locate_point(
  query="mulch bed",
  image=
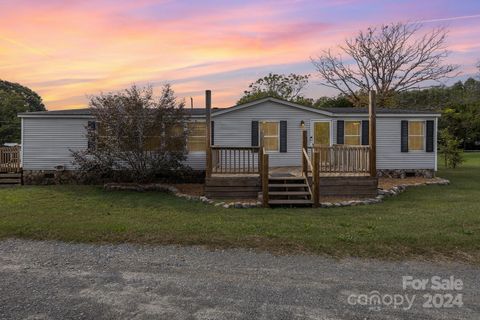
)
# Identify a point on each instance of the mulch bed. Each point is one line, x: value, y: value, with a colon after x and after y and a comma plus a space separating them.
x: 192, y: 189
x: 388, y: 183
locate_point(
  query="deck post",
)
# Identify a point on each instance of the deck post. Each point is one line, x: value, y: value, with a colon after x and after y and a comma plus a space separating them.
x: 264, y: 175
x: 260, y: 152
x: 304, y: 146
x: 208, y: 119
x: 316, y: 179
x: 372, y: 134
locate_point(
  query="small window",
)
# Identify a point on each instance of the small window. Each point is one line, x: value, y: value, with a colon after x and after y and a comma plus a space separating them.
x: 271, y: 134
x: 353, y: 133
x: 416, y: 135
x: 197, y: 137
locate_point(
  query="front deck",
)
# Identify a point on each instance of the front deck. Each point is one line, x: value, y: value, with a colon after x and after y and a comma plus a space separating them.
x: 334, y: 171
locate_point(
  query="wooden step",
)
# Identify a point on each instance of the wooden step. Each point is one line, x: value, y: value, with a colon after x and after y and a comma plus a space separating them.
x: 289, y: 193
x: 287, y: 178
x: 10, y: 175
x: 10, y: 181
x: 285, y: 201
x: 287, y: 185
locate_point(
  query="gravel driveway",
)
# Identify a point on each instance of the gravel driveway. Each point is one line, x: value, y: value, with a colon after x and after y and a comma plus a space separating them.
x: 54, y: 280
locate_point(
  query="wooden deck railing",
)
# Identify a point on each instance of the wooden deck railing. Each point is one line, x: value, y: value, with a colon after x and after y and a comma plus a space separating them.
x: 236, y: 160
x: 9, y: 159
x: 343, y: 159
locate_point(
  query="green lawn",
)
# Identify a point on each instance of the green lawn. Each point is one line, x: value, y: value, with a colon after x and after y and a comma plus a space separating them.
x: 434, y: 222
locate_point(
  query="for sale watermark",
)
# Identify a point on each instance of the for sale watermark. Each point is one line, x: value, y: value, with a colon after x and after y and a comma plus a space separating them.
x: 435, y: 292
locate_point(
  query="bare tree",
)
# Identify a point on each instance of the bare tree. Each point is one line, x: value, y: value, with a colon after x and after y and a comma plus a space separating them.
x: 135, y: 135
x: 389, y: 59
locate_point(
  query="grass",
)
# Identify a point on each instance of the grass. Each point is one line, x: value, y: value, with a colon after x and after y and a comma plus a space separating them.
x: 432, y: 222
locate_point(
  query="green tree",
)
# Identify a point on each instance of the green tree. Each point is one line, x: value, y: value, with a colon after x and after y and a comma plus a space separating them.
x: 463, y: 122
x: 449, y: 147
x: 333, y: 102
x: 286, y: 87
x: 439, y: 98
x: 15, y: 98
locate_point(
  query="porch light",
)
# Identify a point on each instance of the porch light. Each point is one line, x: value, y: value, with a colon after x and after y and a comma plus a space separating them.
x: 302, y: 124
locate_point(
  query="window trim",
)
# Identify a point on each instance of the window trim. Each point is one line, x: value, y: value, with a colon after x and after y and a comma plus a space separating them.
x: 424, y: 135
x: 349, y: 135
x: 277, y: 136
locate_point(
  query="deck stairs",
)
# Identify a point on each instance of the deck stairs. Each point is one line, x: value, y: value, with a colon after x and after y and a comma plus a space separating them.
x: 289, y: 191
x: 10, y: 179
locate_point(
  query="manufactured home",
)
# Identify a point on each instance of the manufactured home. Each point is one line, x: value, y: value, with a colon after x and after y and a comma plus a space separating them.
x: 406, y: 142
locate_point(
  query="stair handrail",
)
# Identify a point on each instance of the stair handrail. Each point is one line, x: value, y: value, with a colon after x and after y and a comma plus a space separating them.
x: 309, y: 167
x: 264, y: 177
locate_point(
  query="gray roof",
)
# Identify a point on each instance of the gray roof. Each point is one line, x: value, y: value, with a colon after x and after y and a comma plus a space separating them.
x: 379, y: 110
x: 201, y: 111
x: 87, y: 112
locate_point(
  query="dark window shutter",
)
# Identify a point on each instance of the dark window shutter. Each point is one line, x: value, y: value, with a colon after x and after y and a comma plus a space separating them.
x: 340, y: 132
x: 365, y: 132
x: 91, y: 127
x: 283, y: 136
x: 254, y: 133
x: 404, y: 136
x: 212, y: 133
x: 430, y: 135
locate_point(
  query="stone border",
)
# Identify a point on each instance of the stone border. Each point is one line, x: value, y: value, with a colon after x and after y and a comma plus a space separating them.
x: 382, y: 193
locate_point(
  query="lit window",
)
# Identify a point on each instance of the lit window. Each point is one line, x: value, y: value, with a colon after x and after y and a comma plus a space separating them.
x: 197, y: 137
x: 353, y: 133
x: 270, y: 132
x: 416, y: 135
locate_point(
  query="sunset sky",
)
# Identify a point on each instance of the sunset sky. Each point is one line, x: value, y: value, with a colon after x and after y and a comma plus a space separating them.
x: 66, y: 50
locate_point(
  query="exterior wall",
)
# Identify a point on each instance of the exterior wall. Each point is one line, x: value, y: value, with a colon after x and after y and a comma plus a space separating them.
x: 389, y: 155
x: 48, y: 141
x: 234, y: 128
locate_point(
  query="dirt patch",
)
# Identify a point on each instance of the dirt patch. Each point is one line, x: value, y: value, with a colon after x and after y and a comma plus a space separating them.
x: 340, y: 199
x: 193, y: 189
x: 388, y: 183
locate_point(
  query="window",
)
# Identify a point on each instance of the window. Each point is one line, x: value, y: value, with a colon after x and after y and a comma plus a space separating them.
x: 416, y: 135
x: 353, y: 133
x: 197, y: 137
x: 270, y: 132
x: 152, y: 138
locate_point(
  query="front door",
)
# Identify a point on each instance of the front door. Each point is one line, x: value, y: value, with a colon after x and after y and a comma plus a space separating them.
x: 321, y: 133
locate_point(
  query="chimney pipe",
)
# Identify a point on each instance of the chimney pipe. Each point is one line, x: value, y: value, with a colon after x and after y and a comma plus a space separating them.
x: 208, y: 120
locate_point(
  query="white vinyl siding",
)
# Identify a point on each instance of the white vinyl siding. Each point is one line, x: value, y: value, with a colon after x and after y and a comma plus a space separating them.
x: 389, y: 155
x: 48, y: 142
x: 235, y: 128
